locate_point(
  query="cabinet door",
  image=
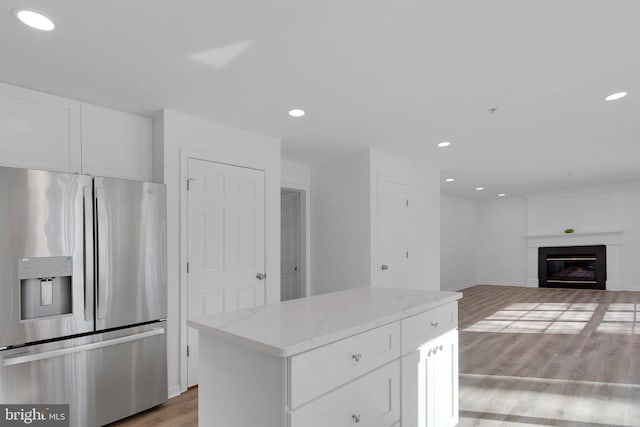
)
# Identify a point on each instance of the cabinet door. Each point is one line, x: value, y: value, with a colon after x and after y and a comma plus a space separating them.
x: 39, y: 131
x: 430, y: 383
x: 115, y: 144
x: 445, y: 380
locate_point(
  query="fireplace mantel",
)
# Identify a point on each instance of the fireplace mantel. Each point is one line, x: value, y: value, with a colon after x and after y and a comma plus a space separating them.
x: 608, y: 238
x: 612, y: 239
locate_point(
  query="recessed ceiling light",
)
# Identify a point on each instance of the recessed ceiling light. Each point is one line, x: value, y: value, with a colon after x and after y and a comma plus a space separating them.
x: 479, y: 188
x: 34, y: 19
x: 615, y: 96
x: 296, y: 113
x: 444, y: 144
x: 449, y: 180
x: 501, y: 195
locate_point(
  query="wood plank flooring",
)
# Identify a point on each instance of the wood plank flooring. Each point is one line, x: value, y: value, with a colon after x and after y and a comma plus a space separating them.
x: 181, y: 411
x: 528, y: 357
x: 560, y: 357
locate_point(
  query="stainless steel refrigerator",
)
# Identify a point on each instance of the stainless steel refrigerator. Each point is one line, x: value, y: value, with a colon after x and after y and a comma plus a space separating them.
x: 83, y: 293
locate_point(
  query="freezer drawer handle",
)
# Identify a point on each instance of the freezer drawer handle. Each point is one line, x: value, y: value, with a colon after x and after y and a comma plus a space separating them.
x: 86, y: 347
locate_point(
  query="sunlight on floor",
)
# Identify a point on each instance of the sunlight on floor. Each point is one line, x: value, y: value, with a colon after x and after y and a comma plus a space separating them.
x: 569, y: 362
x: 619, y: 328
x: 560, y: 318
x: 538, y: 401
x: 536, y: 318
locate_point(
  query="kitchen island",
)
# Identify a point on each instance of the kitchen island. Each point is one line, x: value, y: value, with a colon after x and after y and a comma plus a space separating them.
x: 367, y: 356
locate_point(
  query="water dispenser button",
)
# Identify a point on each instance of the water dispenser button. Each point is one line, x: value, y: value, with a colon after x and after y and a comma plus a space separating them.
x: 46, y: 292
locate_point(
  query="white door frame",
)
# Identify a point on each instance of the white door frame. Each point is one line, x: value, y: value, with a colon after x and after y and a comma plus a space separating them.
x: 185, y: 155
x: 305, y: 230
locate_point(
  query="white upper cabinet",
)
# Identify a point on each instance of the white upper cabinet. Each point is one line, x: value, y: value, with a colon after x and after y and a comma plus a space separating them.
x: 115, y: 144
x: 42, y: 131
x: 39, y: 131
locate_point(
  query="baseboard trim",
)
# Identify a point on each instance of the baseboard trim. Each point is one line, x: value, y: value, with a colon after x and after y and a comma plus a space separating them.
x: 458, y: 288
x: 485, y: 283
x: 505, y: 284
x: 174, y: 391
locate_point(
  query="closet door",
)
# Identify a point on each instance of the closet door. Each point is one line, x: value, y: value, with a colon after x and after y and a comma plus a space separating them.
x: 392, y: 230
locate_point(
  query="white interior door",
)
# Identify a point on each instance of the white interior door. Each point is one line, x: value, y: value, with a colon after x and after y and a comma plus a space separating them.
x: 393, y: 254
x: 290, y: 286
x: 226, y: 241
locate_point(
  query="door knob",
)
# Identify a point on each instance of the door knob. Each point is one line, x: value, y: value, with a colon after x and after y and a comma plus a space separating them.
x: 261, y: 276
x: 384, y: 267
x: 356, y: 418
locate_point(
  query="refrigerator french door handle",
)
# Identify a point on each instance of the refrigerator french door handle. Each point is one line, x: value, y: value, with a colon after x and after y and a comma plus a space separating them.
x: 87, y: 231
x: 18, y: 360
x: 101, y: 283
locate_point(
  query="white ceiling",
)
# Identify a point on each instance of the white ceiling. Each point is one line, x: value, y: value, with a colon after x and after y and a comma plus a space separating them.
x: 397, y: 74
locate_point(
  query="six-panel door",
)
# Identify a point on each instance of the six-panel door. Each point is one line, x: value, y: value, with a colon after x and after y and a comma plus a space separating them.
x: 226, y: 243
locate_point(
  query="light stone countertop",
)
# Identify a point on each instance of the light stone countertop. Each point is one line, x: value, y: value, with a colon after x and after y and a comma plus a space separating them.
x: 291, y: 327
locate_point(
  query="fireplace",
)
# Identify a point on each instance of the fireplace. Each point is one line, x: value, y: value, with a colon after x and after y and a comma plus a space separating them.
x: 580, y: 267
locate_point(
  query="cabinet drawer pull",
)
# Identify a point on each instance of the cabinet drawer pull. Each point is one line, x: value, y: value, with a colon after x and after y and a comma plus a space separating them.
x: 357, y: 357
x: 356, y: 418
x: 434, y: 324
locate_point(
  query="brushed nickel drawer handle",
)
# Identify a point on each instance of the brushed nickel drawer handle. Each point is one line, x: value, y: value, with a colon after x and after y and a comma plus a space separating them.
x: 357, y: 357
x: 356, y: 418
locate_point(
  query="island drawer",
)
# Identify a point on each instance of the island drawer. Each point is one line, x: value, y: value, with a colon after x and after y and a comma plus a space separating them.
x: 423, y: 327
x: 372, y: 400
x: 325, y: 368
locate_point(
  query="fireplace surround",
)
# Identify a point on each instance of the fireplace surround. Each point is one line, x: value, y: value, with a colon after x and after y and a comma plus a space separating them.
x: 578, y: 267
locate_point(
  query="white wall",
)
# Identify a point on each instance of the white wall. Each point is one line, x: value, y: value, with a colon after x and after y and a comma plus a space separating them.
x: 501, y: 242
x: 183, y: 133
x: 594, y: 211
x: 340, y: 223
x: 295, y: 175
x: 586, y: 211
x: 502, y: 227
x: 424, y: 217
x: 458, y: 243
x: 344, y: 221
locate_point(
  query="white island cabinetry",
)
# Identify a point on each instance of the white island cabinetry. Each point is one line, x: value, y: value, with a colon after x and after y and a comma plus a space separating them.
x: 368, y: 356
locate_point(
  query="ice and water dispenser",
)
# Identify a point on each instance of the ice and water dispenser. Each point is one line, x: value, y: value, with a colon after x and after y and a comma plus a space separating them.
x: 45, y: 287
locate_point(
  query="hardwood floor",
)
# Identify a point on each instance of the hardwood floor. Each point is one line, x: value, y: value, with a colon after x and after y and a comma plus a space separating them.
x: 181, y: 411
x: 561, y: 357
x: 528, y: 357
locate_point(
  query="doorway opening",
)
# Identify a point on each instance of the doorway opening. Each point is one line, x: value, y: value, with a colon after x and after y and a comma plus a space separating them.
x: 293, y: 244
